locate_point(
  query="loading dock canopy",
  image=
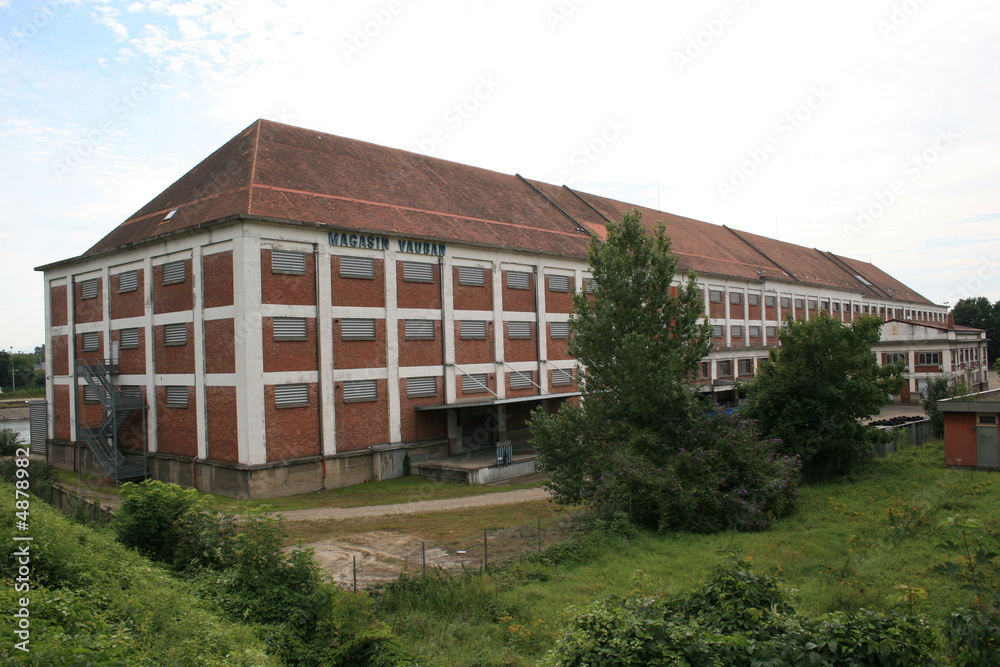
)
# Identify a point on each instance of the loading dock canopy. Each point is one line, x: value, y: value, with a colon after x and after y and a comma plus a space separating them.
x: 496, y: 401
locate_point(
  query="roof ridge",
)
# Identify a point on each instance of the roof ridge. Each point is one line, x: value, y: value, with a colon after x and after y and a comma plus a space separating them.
x: 762, y: 253
x: 253, y: 165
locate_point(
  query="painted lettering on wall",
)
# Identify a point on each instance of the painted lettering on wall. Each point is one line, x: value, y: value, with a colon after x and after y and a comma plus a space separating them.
x: 382, y: 243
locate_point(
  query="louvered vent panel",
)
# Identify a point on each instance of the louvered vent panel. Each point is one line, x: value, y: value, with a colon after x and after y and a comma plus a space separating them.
x: 291, y: 395
x: 421, y: 386
x: 357, y: 267
x: 129, y: 339
x: 288, y: 261
x: 472, y: 328
x: 290, y: 328
x: 559, y: 329
x: 561, y: 377
x: 360, y: 390
x: 177, y: 397
x: 175, y: 334
x: 128, y: 281
x: 471, y: 275
x: 418, y: 272
x: 519, y: 330
x: 357, y: 329
x: 91, y: 340
x: 559, y: 283
x: 474, y: 383
x: 88, y: 289
x: 518, y: 280
x: 522, y: 379
x: 173, y: 272
x: 419, y: 329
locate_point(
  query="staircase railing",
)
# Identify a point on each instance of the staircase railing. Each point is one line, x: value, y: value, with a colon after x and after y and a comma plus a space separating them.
x: 119, y: 405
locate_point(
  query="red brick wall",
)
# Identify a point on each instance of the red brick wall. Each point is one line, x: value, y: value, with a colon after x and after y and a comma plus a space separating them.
x: 292, y: 432
x: 220, y: 346
x: 559, y: 302
x: 469, y: 297
x: 131, y: 362
x: 217, y: 279
x: 771, y: 312
x: 360, y: 425
x: 176, y: 428
x: 557, y: 348
x: 89, y: 413
x: 174, y: 358
x: 960, y: 439
x: 518, y: 414
x: 288, y: 288
x: 522, y: 300
x: 58, y: 306
x: 359, y: 353
x: 735, y: 309
x: 60, y: 355
x: 716, y: 309
x: 514, y: 393
x: 289, y: 355
x: 89, y: 310
x: 474, y: 350
x: 521, y: 349
x: 418, y: 295
x: 420, y: 352
x: 92, y: 354
x: 491, y: 382
x: 357, y: 292
x: 222, y: 429
x: 753, y: 312
x: 175, y: 297
x: 60, y: 409
x: 128, y: 304
x: 430, y: 425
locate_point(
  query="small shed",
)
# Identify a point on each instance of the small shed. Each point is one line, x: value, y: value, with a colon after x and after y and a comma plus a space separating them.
x: 970, y: 429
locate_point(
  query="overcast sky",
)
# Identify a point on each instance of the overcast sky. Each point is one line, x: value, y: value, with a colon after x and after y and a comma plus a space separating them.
x: 870, y: 128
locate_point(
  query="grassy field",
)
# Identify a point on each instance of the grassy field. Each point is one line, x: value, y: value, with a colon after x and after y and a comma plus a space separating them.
x: 851, y: 545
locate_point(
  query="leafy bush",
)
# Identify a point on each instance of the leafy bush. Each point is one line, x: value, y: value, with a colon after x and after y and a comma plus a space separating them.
x: 10, y: 440
x: 146, y: 519
x: 38, y: 475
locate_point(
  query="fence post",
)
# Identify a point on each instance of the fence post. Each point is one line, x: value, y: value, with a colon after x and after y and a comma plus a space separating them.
x: 423, y: 556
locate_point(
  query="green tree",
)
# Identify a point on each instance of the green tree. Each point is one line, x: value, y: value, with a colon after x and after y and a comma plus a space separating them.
x: 979, y: 313
x: 937, y: 389
x: 814, y: 388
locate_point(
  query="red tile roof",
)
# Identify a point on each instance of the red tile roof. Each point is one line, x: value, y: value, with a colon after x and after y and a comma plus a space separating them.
x: 288, y: 174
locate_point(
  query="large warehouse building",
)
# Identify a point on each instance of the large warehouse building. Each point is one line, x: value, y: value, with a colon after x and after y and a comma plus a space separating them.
x: 303, y: 311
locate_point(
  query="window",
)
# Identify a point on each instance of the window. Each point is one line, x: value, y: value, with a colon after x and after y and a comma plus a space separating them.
x: 173, y: 273
x: 357, y: 267
x: 786, y: 302
x: 473, y: 276
x: 705, y: 369
x: 90, y: 394
x: 421, y: 386
x: 591, y: 284
x: 894, y: 358
x: 735, y: 298
x: 559, y: 329
x: 753, y: 299
x: 562, y: 377
x: 928, y: 358
x: 718, y: 331
x: 175, y: 334
x: 715, y: 296
x: 357, y: 329
x: 812, y: 304
x: 475, y: 383
x: 736, y: 331
x: 772, y: 332
x: 472, y: 329
x: 518, y: 280
x: 558, y: 283
x: 418, y: 272
x: 291, y: 395
x: 746, y: 366
x: 128, y: 281
x: 800, y: 304
x: 290, y: 328
x: 518, y: 330
x: 755, y: 332
x: 769, y: 301
x: 287, y: 261
x: 522, y: 379
x: 826, y: 305
x: 177, y: 397
x: 91, y: 341
x: 987, y: 420
x: 359, y: 391
x: 857, y: 308
x: 128, y: 339
x: 725, y: 368
x: 88, y: 288
x: 419, y: 329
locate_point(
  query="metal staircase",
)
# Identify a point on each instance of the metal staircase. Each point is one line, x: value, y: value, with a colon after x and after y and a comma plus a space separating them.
x: 119, y: 405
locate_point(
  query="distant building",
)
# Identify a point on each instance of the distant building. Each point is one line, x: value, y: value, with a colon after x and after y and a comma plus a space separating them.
x: 970, y: 430
x: 302, y: 310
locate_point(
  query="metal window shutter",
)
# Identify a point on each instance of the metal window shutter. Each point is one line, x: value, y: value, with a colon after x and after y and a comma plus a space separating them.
x: 90, y: 394
x: 472, y: 275
x: 357, y: 267
x: 91, y: 340
x: 755, y: 332
x: 420, y: 329
x: 128, y: 281
x: 518, y: 280
x: 522, y: 379
x: 291, y: 395
x: 290, y: 328
x: 473, y: 328
x: 559, y: 329
x: 421, y: 386
x: 360, y: 390
x: 175, y: 334
x: 177, y: 397
x: 418, y: 272
x: 88, y: 289
x: 173, y: 272
x: 558, y: 283
x: 718, y: 331
x: 591, y: 285
x: 288, y: 261
x: 38, y: 425
x: 561, y: 377
x: 519, y: 330
x: 357, y: 329
x: 475, y: 383
x: 129, y: 339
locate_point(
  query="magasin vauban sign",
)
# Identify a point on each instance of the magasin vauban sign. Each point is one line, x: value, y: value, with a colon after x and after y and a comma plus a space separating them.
x: 348, y: 240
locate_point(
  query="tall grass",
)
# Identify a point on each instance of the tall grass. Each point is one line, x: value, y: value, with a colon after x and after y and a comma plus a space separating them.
x: 852, y: 544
